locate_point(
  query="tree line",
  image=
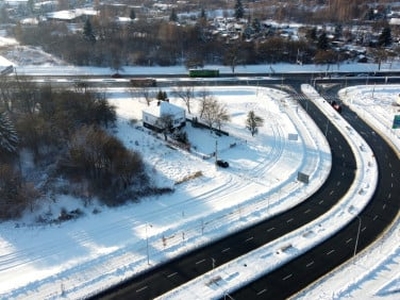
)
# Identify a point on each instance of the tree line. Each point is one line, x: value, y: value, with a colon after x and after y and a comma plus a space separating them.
x: 113, y: 44
x: 104, y: 41
x: 65, y: 134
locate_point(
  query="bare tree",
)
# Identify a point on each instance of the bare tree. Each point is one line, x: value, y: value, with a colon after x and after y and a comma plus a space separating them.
x: 27, y: 95
x: 15, y: 194
x: 116, y: 56
x: 166, y: 124
x: 253, y: 122
x: 142, y: 91
x: 6, y: 93
x: 186, y: 94
x: 231, y: 56
x: 380, y: 55
x: 18, y: 94
x: 222, y: 115
x: 80, y: 86
x: 208, y: 111
x: 204, y: 94
x: 213, y: 113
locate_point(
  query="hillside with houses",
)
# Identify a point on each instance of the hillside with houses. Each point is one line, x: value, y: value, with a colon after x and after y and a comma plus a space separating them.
x: 150, y: 33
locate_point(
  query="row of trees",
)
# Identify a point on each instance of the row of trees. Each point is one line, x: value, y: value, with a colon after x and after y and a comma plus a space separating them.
x: 66, y: 134
x: 112, y: 44
x: 145, y: 40
x: 157, y: 43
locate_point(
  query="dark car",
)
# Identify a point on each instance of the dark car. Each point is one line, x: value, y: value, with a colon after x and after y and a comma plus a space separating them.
x: 222, y: 163
x: 336, y: 106
x: 116, y: 75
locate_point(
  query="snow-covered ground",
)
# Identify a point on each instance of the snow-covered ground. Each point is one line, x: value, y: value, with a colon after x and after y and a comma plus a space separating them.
x: 78, y: 258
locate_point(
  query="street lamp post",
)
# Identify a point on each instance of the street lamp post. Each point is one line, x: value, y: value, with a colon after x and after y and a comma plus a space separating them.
x: 358, y: 235
x: 216, y: 150
x: 326, y: 127
x: 147, y: 244
x: 227, y: 296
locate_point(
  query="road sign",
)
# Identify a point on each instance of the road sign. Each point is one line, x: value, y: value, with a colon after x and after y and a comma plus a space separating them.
x: 302, y: 177
x: 396, y: 122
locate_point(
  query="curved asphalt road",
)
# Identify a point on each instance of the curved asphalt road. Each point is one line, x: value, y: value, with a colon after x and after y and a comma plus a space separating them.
x: 378, y: 214
x: 178, y: 271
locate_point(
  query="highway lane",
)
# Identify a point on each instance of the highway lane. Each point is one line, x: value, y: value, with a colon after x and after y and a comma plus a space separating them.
x: 178, y: 271
x: 62, y: 79
x: 357, y: 235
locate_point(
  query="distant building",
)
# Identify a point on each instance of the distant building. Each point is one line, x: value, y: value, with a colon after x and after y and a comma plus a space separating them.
x: 73, y: 15
x: 152, y: 115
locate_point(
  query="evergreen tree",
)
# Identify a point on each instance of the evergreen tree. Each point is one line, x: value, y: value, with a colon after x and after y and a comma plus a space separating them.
x: 370, y: 15
x: 323, y: 41
x: 203, y: 14
x: 338, y: 31
x: 162, y: 95
x: 239, y: 10
x: 385, y: 38
x: 256, y: 25
x: 173, y: 16
x: 8, y: 135
x: 312, y: 34
x: 30, y: 5
x: 104, y: 113
x: 132, y: 14
x: 88, y: 32
x: 4, y: 17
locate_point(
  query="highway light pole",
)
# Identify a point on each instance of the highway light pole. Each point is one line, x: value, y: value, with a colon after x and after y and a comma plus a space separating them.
x: 147, y: 244
x: 358, y: 235
x: 227, y: 296
x: 326, y: 128
x: 216, y: 150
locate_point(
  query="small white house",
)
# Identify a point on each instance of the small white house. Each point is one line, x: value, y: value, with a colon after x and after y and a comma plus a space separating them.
x: 152, y: 115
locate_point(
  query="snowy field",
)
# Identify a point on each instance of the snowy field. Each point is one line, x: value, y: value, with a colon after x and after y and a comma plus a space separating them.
x: 78, y: 258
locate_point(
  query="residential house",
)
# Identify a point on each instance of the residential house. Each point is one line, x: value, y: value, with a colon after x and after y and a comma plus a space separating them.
x: 153, y: 115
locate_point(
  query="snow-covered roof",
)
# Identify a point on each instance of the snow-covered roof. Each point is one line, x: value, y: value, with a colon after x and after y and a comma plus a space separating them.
x: 71, y: 14
x: 394, y: 21
x: 31, y: 21
x: 164, y: 108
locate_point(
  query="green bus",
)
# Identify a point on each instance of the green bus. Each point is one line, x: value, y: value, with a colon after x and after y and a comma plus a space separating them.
x: 203, y: 73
